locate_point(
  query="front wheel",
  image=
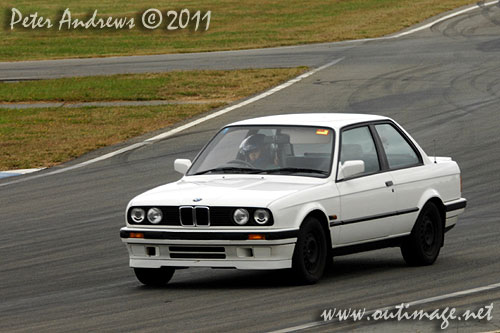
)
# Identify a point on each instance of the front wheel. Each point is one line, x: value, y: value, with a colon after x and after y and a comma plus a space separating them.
x: 155, y: 277
x: 424, y: 243
x: 310, y: 254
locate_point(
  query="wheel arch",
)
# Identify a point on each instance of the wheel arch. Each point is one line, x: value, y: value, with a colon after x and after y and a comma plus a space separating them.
x: 442, y: 212
x: 433, y: 196
x: 322, y: 217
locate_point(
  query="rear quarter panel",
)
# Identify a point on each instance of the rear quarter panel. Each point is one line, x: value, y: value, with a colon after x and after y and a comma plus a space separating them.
x: 416, y: 186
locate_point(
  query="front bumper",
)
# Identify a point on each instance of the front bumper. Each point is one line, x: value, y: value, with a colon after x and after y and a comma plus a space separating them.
x: 218, y: 249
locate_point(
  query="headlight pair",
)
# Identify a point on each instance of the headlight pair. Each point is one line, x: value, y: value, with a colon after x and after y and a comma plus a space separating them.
x: 241, y: 216
x: 154, y: 215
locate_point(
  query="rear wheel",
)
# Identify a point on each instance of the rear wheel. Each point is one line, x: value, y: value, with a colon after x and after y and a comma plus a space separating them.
x: 155, y: 277
x: 310, y: 254
x: 424, y: 243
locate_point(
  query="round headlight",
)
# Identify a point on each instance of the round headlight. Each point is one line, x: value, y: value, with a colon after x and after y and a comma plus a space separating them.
x: 137, y: 215
x: 261, y: 216
x: 155, y: 215
x: 241, y: 216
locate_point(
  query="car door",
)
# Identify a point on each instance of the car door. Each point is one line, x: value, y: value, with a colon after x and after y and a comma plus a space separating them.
x: 408, y: 174
x: 367, y: 199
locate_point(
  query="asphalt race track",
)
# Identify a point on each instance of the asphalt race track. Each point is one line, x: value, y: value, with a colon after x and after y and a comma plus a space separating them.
x: 63, y: 266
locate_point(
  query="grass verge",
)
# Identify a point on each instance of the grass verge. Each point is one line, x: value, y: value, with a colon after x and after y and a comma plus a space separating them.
x: 260, y: 23
x: 31, y: 138
x: 221, y: 85
x: 35, y: 138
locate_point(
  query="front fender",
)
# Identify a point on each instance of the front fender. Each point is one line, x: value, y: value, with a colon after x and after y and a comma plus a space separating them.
x: 308, y: 209
x: 293, y: 216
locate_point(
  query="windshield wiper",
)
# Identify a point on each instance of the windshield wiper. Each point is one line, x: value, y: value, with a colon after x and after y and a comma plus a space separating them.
x: 293, y: 170
x: 255, y: 171
x: 228, y: 169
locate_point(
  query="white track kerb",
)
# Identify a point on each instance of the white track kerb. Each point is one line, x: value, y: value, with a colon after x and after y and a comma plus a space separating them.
x: 245, y: 102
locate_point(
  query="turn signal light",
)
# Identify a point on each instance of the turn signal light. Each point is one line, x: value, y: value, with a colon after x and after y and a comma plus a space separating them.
x: 136, y: 235
x: 256, y: 237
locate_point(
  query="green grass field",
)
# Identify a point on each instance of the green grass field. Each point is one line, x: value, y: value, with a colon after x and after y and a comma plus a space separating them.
x: 234, y: 25
x: 32, y: 138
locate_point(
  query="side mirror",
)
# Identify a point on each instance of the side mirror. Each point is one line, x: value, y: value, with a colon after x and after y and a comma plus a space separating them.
x: 182, y: 165
x: 351, y: 168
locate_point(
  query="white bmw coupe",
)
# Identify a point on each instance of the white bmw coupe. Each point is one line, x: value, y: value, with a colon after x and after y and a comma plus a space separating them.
x: 291, y: 192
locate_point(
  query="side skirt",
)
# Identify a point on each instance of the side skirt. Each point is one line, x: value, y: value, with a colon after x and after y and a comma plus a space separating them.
x: 380, y: 244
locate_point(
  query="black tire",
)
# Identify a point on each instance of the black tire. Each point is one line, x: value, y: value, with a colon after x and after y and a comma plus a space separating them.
x: 310, y: 253
x: 155, y: 277
x: 424, y: 243
x: 329, y: 265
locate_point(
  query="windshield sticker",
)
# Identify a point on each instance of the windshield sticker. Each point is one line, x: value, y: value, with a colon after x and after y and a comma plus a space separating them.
x: 322, y: 132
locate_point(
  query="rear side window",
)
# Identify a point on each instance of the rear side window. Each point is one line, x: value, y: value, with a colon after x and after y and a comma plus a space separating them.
x: 358, y: 144
x: 399, y: 152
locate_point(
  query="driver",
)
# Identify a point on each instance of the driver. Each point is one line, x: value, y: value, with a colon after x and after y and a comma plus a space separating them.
x: 252, y: 149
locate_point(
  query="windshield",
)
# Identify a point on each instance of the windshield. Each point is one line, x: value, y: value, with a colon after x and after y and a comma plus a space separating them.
x: 280, y: 150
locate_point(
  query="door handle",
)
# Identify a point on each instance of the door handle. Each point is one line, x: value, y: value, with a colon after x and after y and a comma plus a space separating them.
x: 389, y: 183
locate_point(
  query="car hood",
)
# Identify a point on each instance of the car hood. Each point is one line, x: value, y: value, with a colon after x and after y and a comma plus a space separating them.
x: 250, y: 191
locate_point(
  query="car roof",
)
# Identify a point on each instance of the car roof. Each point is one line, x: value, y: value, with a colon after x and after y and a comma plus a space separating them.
x: 333, y: 120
